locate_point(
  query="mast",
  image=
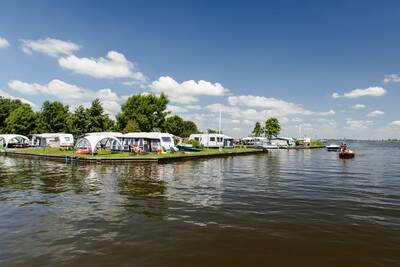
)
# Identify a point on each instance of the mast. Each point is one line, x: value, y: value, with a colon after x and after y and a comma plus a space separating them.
x: 219, y: 125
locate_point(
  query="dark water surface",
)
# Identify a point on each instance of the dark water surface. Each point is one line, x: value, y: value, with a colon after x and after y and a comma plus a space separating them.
x: 287, y: 208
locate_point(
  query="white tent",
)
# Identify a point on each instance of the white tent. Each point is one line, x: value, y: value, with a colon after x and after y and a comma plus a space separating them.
x: 6, y: 139
x: 92, y: 141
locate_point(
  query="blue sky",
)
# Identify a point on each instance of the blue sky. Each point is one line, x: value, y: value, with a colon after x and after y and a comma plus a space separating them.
x: 249, y: 59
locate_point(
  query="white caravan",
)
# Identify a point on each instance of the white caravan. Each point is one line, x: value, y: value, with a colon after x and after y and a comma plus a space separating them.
x: 213, y: 140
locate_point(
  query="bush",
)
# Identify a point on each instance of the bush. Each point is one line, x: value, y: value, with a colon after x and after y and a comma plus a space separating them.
x: 315, y: 143
x: 196, y: 143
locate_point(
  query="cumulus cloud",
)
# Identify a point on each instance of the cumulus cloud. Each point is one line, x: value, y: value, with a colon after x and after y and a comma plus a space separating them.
x: 358, y: 106
x: 176, y: 109
x: 69, y: 93
x: 275, y: 107
x: 326, y: 123
x: 4, y: 43
x: 395, y: 124
x: 395, y: 78
x: 370, y: 91
x: 187, y: 91
x: 113, y: 66
x: 358, y: 124
x: 7, y: 95
x: 375, y: 113
x: 49, y: 46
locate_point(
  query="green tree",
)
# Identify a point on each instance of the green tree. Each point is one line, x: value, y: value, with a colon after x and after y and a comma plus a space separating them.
x: 149, y: 111
x: 131, y: 127
x: 21, y: 121
x: 179, y: 127
x: 258, y: 130
x: 212, y: 131
x: 80, y: 121
x: 272, y: 128
x: 99, y: 121
x: 54, y: 117
x: 189, y: 127
x: 174, y: 125
x: 6, y: 107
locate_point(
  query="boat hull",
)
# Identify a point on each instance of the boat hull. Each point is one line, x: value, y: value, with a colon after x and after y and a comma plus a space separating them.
x: 333, y: 148
x: 346, y: 155
x: 188, y: 148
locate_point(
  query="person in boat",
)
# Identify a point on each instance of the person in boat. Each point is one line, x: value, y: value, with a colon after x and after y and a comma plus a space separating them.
x: 344, y: 148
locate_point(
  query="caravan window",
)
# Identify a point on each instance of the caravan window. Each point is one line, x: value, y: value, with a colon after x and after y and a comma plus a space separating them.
x: 219, y: 139
x: 166, y: 139
x: 66, y: 139
x: 212, y: 139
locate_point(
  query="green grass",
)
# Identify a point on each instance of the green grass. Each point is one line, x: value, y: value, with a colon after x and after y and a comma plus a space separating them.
x: 315, y: 143
x: 71, y: 153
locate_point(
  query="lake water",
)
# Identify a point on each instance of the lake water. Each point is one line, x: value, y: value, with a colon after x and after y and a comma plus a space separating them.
x: 285, y: 208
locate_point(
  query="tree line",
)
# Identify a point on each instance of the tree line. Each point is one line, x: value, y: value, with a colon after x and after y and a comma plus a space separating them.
x: 271, y: 128
x: 140, y: 113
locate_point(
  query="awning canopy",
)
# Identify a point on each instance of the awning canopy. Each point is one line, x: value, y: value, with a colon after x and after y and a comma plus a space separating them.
x: 7, y: 138
x: 92, y: 141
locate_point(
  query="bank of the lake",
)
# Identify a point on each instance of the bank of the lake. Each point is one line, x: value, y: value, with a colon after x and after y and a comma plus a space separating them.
x: 69, y: 155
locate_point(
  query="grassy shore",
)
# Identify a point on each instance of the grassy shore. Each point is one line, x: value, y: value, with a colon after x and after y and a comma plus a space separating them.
x: 57, y: 152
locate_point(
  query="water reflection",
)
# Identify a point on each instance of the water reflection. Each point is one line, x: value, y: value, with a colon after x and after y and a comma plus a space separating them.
x: 198, y: 183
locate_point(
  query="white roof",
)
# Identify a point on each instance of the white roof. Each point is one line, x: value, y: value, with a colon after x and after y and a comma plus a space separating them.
x: 211, y: 135
x: 8, y: 137
x: 50, y: 135
x: 93, y: 140
x: 283, y: 138
x: 150, y: 135
x: 116, y: 134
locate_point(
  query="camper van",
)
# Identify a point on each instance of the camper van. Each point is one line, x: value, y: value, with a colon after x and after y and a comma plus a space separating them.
x: 213, y: 140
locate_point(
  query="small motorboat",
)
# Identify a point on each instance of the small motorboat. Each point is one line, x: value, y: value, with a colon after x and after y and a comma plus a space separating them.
x: 265, y: 145
x: 348, y: 154
x: 187, y: 147
x: 345, y: 152
x: 333, y: 147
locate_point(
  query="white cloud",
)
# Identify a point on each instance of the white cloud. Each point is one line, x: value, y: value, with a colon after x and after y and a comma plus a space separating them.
x: 7, y: 95
x: 296, y: 119
x: 358, y: 106
x: 4, y: 43
x: 395, y: 78
x: 375, y: 113
x: 49, y: 46
x: 323, y: 123
x: 358, y: 124
x: 395, y: 124
x: 176, y: 109
x: 113, y: 66
x: 275, y: 107
x: 27, y: 88
x: 136, y: 83
x: 69, y: 93
x: 196, y: 107
x: 370, y: 91
x: 187, y: 91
